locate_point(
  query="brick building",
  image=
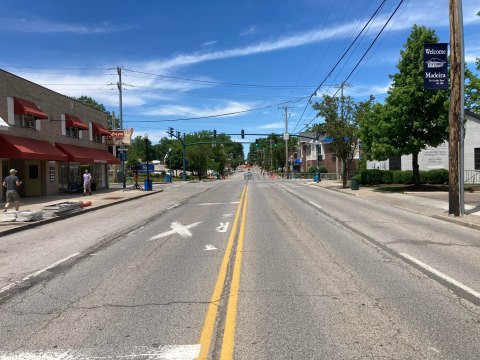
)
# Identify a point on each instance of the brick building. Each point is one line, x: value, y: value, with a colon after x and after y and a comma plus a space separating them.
x: 49, y: 138
x: 310, y: 149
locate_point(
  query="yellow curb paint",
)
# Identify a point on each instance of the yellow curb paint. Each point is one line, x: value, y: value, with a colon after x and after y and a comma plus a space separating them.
x: 231, y: 318
x: 209, y: 324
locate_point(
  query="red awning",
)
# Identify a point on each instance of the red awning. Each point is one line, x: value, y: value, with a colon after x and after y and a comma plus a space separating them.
x: 73, y: 121
x: 25, y: 107
x: 16, y: 147
x: 99, y: 129
x: 87, y: 155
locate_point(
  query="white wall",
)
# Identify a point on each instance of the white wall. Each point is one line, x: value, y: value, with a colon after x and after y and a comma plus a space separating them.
x: 437, y: 158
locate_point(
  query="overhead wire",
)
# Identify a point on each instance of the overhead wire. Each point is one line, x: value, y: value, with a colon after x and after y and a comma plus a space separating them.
x: 338, y: 62
x: 365, y: 53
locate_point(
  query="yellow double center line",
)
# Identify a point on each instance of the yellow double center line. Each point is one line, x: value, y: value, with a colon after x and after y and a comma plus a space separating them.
x: 230, y: 320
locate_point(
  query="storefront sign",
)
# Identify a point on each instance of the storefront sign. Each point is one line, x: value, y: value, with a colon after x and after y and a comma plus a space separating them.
x: 120, y: 137
x: 435, y: 66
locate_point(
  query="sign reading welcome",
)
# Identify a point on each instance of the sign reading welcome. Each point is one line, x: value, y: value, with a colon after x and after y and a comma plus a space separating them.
x: 435, y: 66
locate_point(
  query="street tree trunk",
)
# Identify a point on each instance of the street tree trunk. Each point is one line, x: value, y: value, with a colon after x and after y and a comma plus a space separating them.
x: 416, y: 170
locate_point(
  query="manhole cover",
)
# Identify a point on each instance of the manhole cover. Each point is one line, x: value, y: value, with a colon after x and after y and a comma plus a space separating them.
x: 113, y: 198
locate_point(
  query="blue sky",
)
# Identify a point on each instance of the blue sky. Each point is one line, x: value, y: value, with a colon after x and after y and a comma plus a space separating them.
x: 185, y: 59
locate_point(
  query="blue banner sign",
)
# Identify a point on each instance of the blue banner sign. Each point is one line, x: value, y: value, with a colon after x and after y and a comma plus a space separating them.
x: 435, y: 66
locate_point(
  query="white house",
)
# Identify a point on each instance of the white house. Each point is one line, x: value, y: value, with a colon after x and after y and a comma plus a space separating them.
x: 437, y: 158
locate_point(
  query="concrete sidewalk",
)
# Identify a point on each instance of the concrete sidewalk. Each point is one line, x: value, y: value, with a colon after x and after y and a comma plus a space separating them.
x: 99, y: 199
x: 433, y: 204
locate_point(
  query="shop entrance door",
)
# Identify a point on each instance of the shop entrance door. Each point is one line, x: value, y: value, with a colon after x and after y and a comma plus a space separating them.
x: 33, y: 180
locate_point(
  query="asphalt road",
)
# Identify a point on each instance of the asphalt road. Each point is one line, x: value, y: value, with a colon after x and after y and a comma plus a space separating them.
x: 263, y: 270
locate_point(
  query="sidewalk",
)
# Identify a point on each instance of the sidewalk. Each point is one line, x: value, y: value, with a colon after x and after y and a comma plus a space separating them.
x: 433, y: 204
x: 100, y: 198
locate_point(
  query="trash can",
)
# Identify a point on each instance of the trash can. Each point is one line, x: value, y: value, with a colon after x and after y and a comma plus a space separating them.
x: 315, y: 178
x: 355, y: 184
x: 167, y: 179
x: 147, y: 184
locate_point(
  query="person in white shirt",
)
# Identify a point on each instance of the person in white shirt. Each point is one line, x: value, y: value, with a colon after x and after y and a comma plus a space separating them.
x: 87, y: 183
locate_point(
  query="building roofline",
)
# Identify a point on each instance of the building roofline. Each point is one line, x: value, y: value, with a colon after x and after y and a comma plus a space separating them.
x: 68, y: 97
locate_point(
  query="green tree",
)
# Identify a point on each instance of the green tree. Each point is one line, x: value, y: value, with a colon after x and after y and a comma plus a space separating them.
x: 87, y: 100
x: 412, y: 117
x: 341, y: 117
x: 138, y: 150
x: 472, y: 91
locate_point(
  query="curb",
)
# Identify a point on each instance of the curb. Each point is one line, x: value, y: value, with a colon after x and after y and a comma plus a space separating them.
x: 30, y: 225
x: 446, y: 218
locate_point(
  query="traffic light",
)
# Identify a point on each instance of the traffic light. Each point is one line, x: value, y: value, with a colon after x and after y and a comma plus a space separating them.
x: 242, y: 134
x: 214, y: 134
x: 256, y: 142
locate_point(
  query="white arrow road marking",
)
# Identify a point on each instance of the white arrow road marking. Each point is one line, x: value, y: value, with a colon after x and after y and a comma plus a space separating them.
x: 166, y: 352
x: 178, y: 228
x: 223, y: 227
x: 209, y: 247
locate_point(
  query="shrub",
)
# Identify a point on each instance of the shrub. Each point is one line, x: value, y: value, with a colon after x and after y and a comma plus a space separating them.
x: 424, y: 176
x: 397, y: 177
x: 407, y: 177
x: 374, y: 176
x: 438, y: 176
x: 387, y: 177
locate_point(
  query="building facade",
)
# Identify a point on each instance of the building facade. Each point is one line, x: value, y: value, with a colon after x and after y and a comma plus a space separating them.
x: 312, y: 149
x: 437, y: 158
x: 50, y: 138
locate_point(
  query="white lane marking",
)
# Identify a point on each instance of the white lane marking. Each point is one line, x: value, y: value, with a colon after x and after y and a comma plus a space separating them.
x: 173, y: 206
x: 209, y: 247
x: 223, y: 227
x: 316, y: 205
x: 178, y: 228
x: 227, y: 215
x: 442, y: 275
x: 220, y: 203
x: 166, y: 352
x: 28, y: 277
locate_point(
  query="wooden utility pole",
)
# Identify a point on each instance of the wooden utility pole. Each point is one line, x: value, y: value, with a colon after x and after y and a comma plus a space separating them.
x: 455, y: 107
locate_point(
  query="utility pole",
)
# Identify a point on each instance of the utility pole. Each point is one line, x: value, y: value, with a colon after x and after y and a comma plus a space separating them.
x: 122, y: 148
x: 456, y: 111
x: 286, y: 137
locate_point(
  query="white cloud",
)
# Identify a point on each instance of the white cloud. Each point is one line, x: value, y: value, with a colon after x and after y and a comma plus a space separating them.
x: 250, y: 31
x: 48, y: 26
x: 209, y: 43
x: 188, y: 111
x: 275, y: 125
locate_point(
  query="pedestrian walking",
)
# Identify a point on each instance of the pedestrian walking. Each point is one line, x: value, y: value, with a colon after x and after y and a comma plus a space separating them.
x: 12, y: 183
x: 87, y: 183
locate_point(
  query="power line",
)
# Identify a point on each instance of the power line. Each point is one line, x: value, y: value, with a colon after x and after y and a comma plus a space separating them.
x: 338, y: 62
x: 365, y: 53
x: 211, y: 82
x: 373, y: 42
x: 225, y: 114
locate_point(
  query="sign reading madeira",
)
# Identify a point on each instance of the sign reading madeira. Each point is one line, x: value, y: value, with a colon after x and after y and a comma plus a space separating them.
x: 435, y: 66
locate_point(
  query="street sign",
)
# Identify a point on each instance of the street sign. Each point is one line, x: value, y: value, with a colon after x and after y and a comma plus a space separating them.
x: 285, y: 136
x: 435, y: 66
